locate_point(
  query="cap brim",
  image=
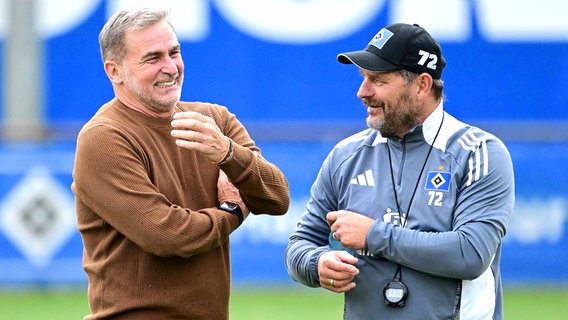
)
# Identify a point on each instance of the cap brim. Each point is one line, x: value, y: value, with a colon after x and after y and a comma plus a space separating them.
x: 367, y: 60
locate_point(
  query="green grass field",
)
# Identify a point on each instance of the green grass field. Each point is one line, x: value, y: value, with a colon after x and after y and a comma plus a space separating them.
x: 270, y: 303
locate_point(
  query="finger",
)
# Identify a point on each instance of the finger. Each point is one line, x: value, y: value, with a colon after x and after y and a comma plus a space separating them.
x: 336, y: 285
x: 331, y: 217
x: 349, y: 261
x: 193, y: 115
x: 189, y: 124
x: 339, y: 278
x: 343, y: 287
x: 327, y: 282
x: 186, y: 115
x: 337, y: 265
x: 334, y: 236
x: 188, y: 135
x: 190, y: 145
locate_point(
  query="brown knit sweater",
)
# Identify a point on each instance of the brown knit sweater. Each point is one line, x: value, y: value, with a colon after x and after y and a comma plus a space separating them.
x: 155, y: 246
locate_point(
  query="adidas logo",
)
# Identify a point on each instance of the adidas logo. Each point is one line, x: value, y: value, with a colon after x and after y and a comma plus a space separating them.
x: 364, y: 179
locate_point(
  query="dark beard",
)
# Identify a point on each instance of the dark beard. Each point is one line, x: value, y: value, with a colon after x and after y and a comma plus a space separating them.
x: 400, y: 115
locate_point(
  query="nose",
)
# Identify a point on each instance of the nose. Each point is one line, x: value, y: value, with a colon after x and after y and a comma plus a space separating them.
x: 171, y: 65
x: 365, y: 89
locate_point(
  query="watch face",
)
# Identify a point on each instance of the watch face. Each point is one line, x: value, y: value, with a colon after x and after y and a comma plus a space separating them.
x: 229, y: 206
x: 395, y: 293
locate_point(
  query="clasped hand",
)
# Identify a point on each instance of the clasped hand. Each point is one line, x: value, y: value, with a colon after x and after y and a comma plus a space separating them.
x: 336, y: 269
x: 195, y: 131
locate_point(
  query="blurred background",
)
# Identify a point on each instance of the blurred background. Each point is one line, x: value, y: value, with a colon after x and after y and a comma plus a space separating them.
x: 273, y: 63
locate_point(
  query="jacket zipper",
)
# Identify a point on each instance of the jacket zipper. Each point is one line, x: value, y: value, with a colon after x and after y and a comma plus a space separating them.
x: 402, y: 161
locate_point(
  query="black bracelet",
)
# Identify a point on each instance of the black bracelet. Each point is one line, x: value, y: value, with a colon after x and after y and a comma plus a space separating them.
x: 228, y: 155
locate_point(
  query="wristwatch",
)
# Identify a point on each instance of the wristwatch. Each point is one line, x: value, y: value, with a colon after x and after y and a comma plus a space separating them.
x: 234, y: 209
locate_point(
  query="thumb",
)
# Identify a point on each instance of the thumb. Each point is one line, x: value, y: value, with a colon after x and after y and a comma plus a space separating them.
x: 348, y: 258
x: 331, y: 217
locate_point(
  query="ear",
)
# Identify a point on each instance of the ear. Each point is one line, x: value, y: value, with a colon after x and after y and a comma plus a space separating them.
x: 114, y: 71
x: 424, y: 84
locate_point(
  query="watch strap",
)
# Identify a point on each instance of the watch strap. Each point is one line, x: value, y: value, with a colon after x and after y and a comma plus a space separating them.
x: 234, y: 209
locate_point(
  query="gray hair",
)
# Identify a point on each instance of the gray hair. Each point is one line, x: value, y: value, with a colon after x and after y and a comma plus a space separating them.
x: 112, y: 37
x: 437, y: 84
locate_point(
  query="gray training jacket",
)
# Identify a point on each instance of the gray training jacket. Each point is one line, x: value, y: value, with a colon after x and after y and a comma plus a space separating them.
x: 450, y: 247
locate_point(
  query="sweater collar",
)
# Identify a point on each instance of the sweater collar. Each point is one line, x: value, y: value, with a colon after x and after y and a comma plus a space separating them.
x: 142, y: 118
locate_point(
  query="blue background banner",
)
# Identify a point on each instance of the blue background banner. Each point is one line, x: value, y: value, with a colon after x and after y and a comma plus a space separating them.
x: 277, y: 71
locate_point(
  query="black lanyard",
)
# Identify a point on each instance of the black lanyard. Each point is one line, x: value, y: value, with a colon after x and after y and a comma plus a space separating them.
x: 395, y: 292
x: 403, y: 224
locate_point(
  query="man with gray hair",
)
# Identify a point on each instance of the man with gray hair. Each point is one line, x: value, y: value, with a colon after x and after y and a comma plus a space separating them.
x: 160, y: 184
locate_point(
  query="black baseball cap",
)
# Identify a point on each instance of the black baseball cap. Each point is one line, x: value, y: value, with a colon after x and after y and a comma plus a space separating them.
x: 399, y: 46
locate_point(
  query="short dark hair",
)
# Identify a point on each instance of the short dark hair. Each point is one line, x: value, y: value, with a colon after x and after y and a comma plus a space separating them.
x: 437, y: 84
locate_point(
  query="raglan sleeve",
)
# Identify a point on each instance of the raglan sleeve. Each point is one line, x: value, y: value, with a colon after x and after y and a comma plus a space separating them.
x: 310, y: 238
x: 483, y: 208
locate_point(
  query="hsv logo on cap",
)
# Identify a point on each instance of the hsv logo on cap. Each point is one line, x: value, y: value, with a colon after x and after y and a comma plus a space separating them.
x: 399, y: 46
x: 381, y: 38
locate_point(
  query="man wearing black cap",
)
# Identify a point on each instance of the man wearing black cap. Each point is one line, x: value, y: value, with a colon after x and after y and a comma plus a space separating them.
x: 407, y: 217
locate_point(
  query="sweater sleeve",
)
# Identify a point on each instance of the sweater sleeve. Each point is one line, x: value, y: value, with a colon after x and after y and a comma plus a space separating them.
x: 262, y: 185
x: 111, y: 180
x: 483, y: 208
